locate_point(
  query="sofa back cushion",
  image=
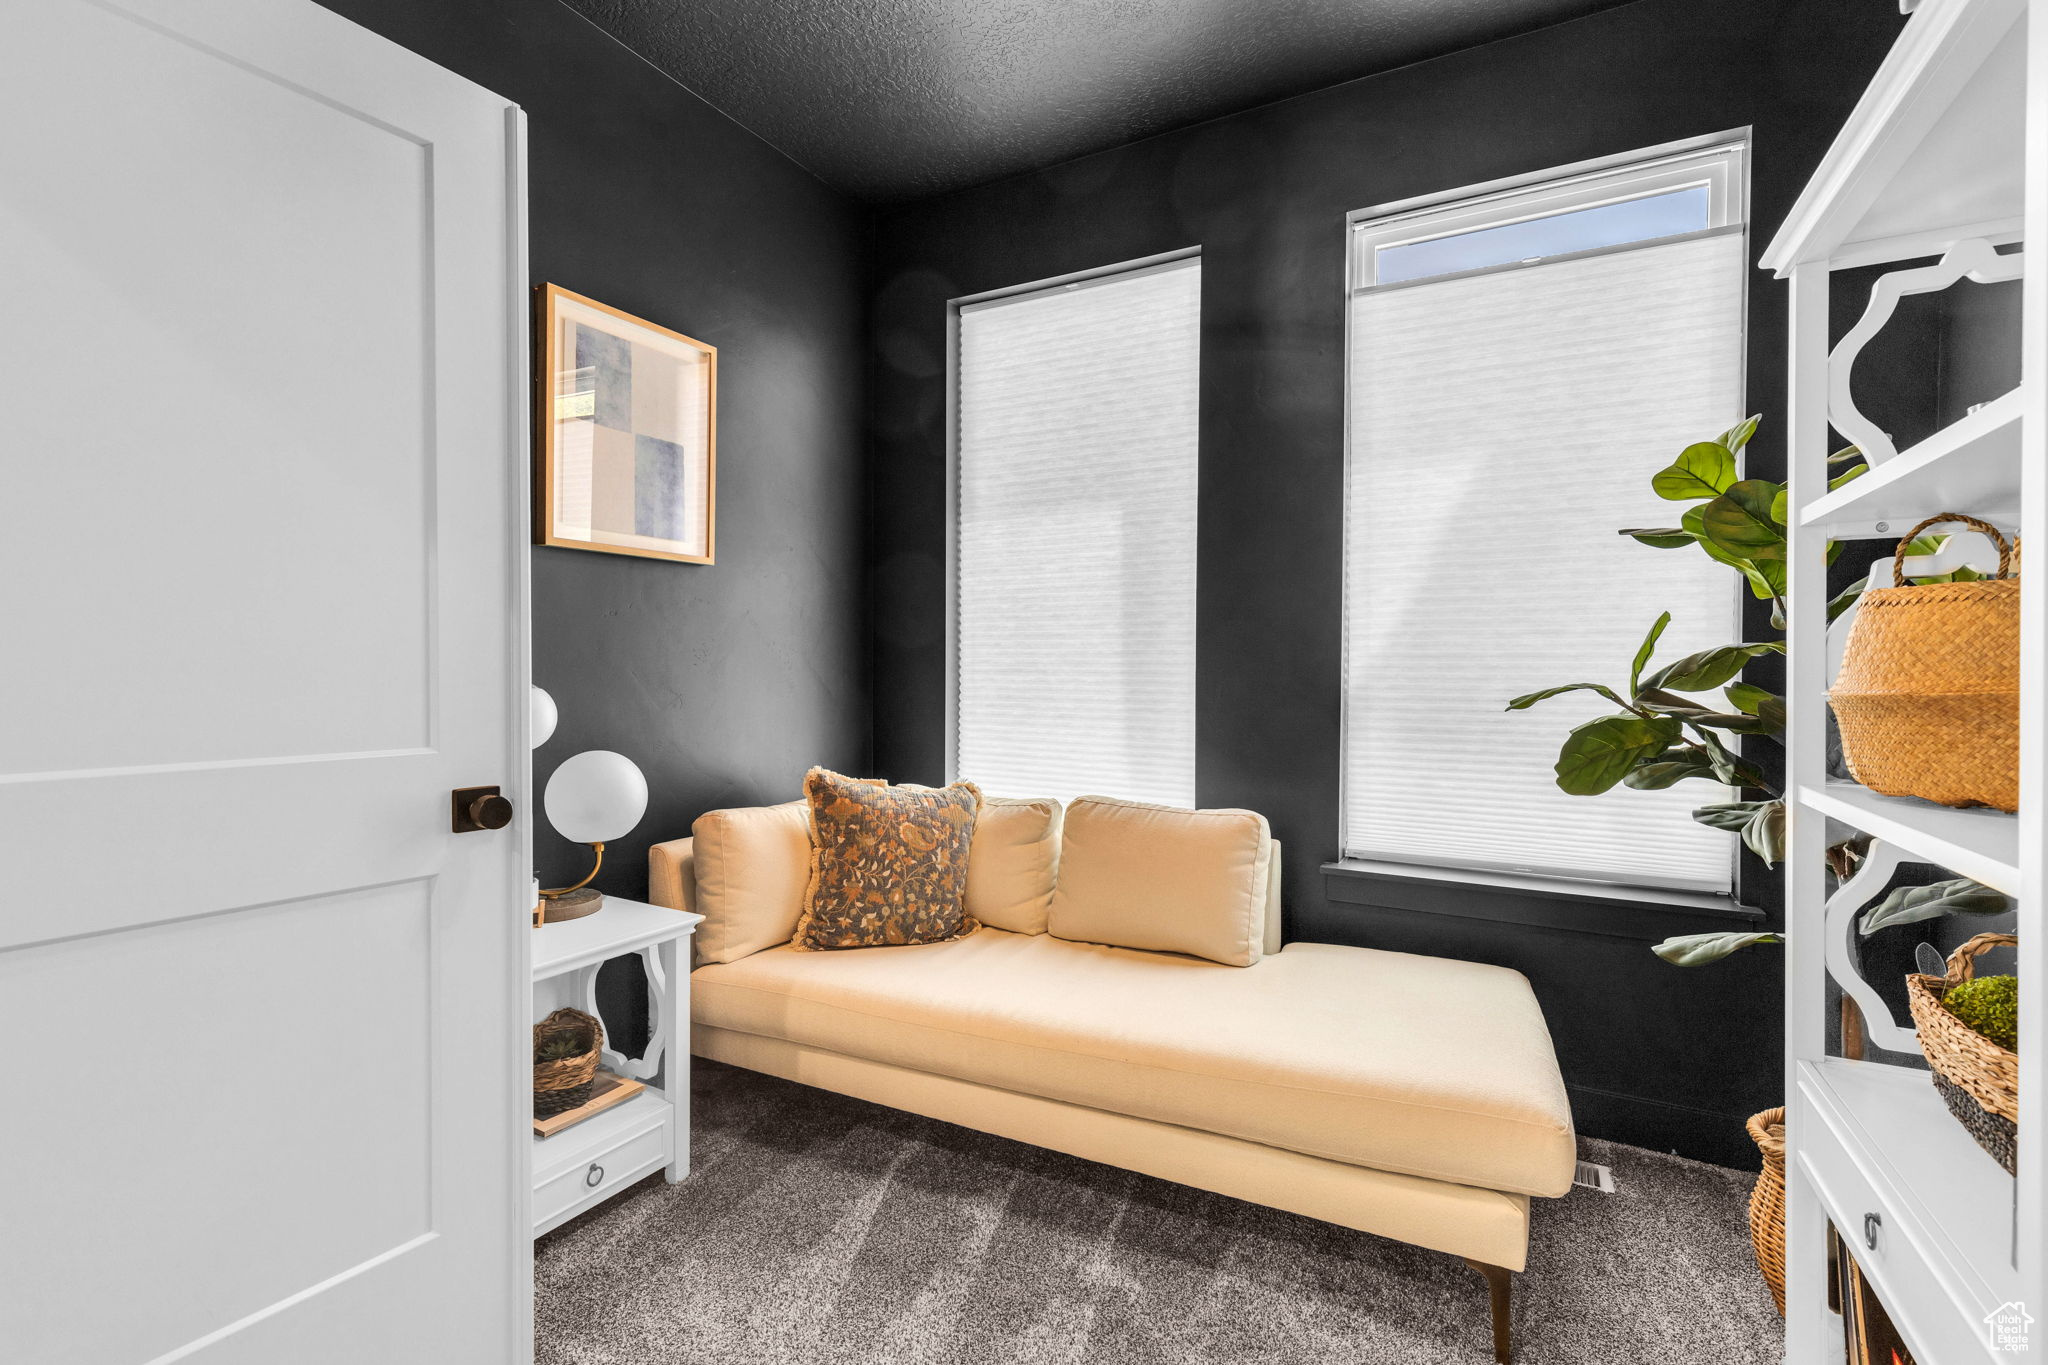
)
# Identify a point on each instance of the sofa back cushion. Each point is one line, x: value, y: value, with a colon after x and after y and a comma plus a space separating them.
x: 888, y: 864
x: 1014, y: 863
x: 1180, y: 881
x: 751, y: 865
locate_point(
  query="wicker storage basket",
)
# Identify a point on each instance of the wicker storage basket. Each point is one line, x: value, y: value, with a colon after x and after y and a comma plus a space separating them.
x: 1928, y: 695
x: 1978, y: 1079
x: 567, y: 1081
x: 1767, y: 1202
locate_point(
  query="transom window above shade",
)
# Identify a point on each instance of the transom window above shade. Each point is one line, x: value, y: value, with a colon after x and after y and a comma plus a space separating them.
x: 1503, y: 424
x: 1074, y: 537
x: 1533, y: 240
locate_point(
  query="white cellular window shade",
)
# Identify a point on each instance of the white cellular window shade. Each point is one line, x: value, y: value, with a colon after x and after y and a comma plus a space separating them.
x: 1074, y: 538
x: 1503, y: 424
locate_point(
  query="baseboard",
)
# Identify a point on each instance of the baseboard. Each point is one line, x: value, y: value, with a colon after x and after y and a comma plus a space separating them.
x: 1660, y: 1126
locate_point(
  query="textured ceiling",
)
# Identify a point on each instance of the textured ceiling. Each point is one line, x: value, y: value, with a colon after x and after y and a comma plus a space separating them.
x: 896, y: 99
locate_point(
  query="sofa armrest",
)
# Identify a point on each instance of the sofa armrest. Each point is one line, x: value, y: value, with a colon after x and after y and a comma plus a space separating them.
x: 1272, y: 943
x: 672, y: 874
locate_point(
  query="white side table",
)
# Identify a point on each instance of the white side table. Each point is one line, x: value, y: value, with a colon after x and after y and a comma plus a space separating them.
x: 591, y: 1161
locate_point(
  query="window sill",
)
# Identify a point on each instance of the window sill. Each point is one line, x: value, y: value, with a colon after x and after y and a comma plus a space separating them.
x: 1541, y: 902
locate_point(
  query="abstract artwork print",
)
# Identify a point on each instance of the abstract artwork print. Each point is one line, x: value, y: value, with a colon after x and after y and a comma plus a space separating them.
x: 627, y: 430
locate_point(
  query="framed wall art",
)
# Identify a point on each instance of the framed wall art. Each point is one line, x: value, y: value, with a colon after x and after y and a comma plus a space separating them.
x: 626, y: 431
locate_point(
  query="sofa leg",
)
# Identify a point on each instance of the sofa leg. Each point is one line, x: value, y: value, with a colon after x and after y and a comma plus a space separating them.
x: 1500, y: 1285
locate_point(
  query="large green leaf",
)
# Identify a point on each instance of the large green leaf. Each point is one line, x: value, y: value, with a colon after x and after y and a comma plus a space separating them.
x: 1643, y: 652
x: 1670, y: 703
x: 1766, y: 580
x: 1737, y: 436
x: 1694, y: 712
x: 1760, y: 823
x: 1854, y: 471
x: 1701, y: 471
x: 1729, y: 766
x: 1659, y: 537
x: 1765, y: 833
x: 1747, y: 697
x: 1740, y: 521
x: 1696, y: 950
x: 1529, y: 699
x: 1755, y: 701
x: 1709, y: 668
x: 1600, y: 753
x: 1737, y: 722
x: 1729, y: 815
x: 1846, y: 598
x: 1669, y: 768
x: 1910, y: 904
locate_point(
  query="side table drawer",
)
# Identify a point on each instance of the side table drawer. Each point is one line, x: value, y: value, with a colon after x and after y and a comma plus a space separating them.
x: 605, y: 1172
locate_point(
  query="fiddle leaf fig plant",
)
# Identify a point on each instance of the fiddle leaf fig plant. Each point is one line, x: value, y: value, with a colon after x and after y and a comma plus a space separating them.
x: 1666, y: 730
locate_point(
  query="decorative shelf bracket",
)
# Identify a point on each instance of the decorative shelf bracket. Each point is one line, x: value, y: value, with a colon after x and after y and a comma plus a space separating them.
x: 1849, y: 899
x: 1974, y: 259
x: 648, y: 1064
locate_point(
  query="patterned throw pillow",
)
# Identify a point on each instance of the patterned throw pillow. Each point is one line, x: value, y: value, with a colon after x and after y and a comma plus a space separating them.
x: 888, y: 864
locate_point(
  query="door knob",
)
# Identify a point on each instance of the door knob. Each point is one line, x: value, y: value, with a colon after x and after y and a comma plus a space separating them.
x: 478, y: 808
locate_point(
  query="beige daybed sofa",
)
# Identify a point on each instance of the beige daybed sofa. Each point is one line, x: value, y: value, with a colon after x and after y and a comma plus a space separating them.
x: 1129, y: 1001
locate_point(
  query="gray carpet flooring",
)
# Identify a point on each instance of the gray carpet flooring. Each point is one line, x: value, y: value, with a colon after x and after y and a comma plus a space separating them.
x: 819, y: 1230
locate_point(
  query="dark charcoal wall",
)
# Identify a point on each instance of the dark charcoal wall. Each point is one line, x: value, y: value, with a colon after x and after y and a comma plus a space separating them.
x: 722, y: 682
x: 1656, y: 1056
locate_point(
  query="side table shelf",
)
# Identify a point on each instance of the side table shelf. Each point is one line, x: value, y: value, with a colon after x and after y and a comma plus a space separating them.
x: 588, y: 1162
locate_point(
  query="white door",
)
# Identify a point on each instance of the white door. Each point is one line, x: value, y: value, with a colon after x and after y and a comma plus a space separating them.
x: 262, y: 606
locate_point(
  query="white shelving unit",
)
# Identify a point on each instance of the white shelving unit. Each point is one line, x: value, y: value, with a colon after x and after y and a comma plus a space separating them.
x: 1946, y: 157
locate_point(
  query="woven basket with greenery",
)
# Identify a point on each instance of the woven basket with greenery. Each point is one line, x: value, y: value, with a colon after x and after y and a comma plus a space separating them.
x: 1767, y: 1202
x: 1928, y: 695
x: 566, y: 1045
x: 1978, y: 1079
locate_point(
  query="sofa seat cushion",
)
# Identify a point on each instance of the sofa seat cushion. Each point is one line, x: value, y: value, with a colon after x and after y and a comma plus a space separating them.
x: 1419, y: 1065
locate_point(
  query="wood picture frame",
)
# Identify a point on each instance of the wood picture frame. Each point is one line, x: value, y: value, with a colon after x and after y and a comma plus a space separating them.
x: 625, y: 433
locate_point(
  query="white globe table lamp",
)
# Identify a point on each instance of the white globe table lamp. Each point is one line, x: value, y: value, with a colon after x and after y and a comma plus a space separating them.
x: 542, y: 717
x: 593, y: 798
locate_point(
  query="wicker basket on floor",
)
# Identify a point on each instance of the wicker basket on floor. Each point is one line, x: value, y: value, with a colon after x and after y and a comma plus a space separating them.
x: 565, y: 1082
x: 1928, y: 693
x: 1767, y: 1202
x: 1977, y: 1079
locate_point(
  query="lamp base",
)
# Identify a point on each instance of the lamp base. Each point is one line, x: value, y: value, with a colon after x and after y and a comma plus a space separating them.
x: 575, y: 905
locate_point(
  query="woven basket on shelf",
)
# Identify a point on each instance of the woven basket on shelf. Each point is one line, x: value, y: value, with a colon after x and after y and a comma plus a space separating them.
x: 1767, y: 1202
x: 567, y: 1081
x: 1928, y: 693
x: 1978, y: 1079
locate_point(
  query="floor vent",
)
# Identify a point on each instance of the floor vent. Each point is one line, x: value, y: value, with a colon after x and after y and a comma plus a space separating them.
x: 1594, y: 1177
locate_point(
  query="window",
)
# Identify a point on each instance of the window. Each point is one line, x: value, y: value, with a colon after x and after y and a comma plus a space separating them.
x: 1074, y: 537
x: 1522, y: 360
